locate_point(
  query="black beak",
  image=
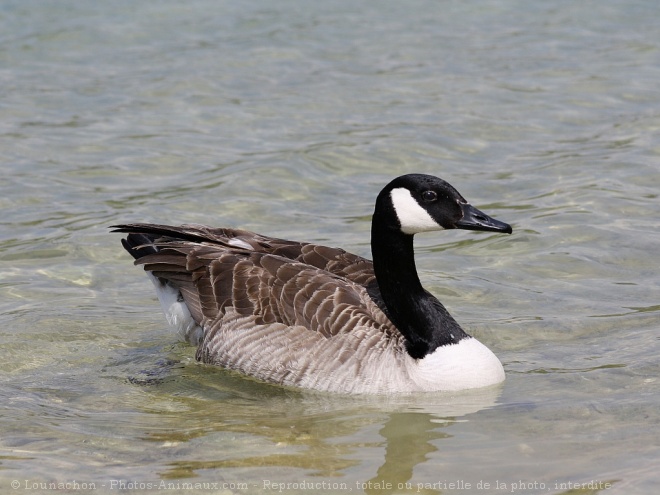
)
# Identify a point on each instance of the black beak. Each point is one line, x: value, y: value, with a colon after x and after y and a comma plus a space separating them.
x: 474, y: 219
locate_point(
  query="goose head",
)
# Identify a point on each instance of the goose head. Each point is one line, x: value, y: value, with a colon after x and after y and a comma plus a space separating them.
x: 408, y: 205
x: 421, y: 203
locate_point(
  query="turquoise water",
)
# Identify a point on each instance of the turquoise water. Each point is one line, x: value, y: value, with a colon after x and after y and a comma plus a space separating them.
x: 287, y: 118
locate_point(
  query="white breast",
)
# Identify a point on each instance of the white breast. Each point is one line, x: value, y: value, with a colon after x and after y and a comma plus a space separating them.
x: 466, y: 364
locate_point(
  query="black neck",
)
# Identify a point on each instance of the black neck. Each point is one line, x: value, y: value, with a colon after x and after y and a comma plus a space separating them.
x: 420, y: 317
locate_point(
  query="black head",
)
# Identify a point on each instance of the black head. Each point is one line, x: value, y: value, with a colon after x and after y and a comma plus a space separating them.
x: 424, y: 203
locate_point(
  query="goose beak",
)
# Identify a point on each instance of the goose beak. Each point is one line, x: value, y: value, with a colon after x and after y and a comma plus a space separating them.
x: 474, y: 219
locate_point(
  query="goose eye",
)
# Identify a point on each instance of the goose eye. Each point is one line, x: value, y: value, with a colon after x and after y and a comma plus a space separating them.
x: 429, y: 196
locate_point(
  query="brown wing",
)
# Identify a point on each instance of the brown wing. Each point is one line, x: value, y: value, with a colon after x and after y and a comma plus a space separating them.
x: 297, y: 284
x: 334, y: 260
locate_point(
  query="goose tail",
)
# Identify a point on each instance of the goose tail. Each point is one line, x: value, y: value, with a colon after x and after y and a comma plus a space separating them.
x: 140, y: 244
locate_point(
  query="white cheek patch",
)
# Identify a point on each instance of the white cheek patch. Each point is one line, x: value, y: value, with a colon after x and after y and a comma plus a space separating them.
x: 412, y: 217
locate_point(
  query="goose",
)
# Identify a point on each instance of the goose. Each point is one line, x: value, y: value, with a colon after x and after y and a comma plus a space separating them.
x: 316, y: 317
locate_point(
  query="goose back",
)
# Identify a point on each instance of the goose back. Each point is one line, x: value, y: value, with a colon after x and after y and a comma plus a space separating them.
x: 311, y: 310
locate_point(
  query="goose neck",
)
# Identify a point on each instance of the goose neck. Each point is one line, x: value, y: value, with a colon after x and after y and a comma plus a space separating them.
x: 420, y: 317
x: 394, y: 261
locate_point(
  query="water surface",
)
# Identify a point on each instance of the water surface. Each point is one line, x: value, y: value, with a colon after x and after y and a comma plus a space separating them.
x: 287, y: 118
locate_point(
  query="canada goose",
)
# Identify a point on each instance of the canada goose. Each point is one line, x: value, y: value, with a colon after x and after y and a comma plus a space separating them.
x: 317, y: 317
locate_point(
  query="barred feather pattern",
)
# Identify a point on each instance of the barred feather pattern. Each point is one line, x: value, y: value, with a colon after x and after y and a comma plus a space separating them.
x: 291, y: 313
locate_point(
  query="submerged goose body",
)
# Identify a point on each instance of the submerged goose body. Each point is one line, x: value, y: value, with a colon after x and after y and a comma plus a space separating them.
x: 317, y: 317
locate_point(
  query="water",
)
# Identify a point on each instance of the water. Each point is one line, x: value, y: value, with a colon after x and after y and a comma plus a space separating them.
x: 287, y: 118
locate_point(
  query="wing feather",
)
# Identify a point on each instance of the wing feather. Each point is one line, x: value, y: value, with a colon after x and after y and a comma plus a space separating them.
x: 263, y: 300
